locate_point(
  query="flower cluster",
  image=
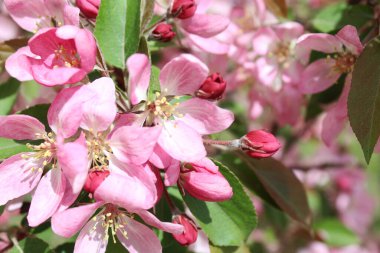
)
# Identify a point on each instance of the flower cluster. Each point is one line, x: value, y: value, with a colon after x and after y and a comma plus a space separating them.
x: 110, y: 142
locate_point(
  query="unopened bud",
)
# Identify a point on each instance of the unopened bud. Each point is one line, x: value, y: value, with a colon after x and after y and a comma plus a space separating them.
x: 184, y: 9
x: 89, y: 8
x: 163, y: 32
x: 190, y: 230
x: 260, y: 144
x: 94, y: 179
x: 213, y: 87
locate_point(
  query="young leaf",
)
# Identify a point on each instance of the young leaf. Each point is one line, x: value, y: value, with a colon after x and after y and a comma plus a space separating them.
x: 364, y: 98
x: 154, y: 85
x: 8, y: 95
x: 117, y: 30
x: 335, y: 234
x: 227, y: 223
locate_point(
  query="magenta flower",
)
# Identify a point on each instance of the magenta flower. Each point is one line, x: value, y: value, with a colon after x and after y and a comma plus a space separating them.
x: 33, y: 15
x: 89, y: 8
x: 343, y: 49
x: 22, y: 173
x: 184, y: 119
x: 55, y: 56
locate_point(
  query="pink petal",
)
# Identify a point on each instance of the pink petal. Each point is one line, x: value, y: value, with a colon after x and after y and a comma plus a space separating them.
x: 100, y: 110
x: 319, y: 76
x: 204, y: 116
x: 139, y: 77
x: 69, y: 197
x: 138, y: 196
x: 172, y: 173
x: 264, y: 40
x: 72, y: 158
x: 87, y: 49
x: 65, y: 113
x: 207, y: 164
x: 181, y: 141
x: 160, y: 158
x: 350, y: 38
x: 17, y: 177
x: 140, y: 238
x: 67, y: 223
x: 152, y: 220
x: 268, y: 72
x: 210, y: 45
x: 288, y: 31
x: 47, y: 197
x: 71, y: 15
x: 20, y: 127
x: 205, y: 25
x: 332, y: 125
x: 182, y: 75
x: 18, y: 65
x: 133, y: 144
x: 321, y: 42
x: 92, y: 238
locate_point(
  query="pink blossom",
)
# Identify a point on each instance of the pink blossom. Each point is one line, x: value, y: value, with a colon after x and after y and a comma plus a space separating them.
x: 55, y: 56
x: 260, y: 144
x: 93, y: 236
x: 190, y: 230
x: 344, y: 48
x: 22, y: 173
x: 33, y: 15
x: 182, y: 122
x: 89, y: 8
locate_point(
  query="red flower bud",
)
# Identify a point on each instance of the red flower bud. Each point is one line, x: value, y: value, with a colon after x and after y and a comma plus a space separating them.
x: 190, y: 230
x: 260, y: 144
x: 184, y: 8
x: 213, y: 87
x: 163, y: 32
x: 94, y: 179
x: 89, y: 8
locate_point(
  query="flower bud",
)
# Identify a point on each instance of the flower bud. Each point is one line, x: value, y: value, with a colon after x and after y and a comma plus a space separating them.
x: 163, y: 32
x: 184, y: 9
x: 203, y: 181
x: 94, y: 179
x: 89, y: 8
x: 213, y: 87
x: 260, y: 144
x: 190, y: 230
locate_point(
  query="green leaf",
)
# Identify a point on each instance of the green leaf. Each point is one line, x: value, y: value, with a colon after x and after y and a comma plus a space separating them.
x: 117, y: 30
x: 364, y: 98
x: 154, y: 85
x: 229, y: 249
x: 8, y: 95
x: 31, y: 245
x: 227, y: 223
x: 9, y: 148
x: 335, y: 234
x: 335, y: 16
x: 281, y: 185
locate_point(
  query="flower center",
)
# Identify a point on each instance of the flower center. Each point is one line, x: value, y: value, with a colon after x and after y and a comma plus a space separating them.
x: 344, y: 62
x: 164, y: 106
x: 66, y: 57
x: 112, y: 218
x: 98, y: 148
x: 282, y: 52
x: 45, y: 151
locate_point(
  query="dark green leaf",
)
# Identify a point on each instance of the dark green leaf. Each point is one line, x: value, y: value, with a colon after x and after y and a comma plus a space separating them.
x: 227, y: 223
x: 364, y: 98
x: 31, y: 245
x: 335, y: 234
x: 282, y: 186
x: 154, y: 85
x: 118, y: 30
x: 39, y: 112
x: 335, y: 16
x: 8, y: 95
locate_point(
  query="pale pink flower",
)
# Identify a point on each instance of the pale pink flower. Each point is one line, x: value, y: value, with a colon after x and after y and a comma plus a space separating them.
x: 33, y: 15
x: 184, y: 119
x: 274, y: 47
x: 55, y: 56
x: 343, y: 48
x: 22, y: 173
x: 93, y: 236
